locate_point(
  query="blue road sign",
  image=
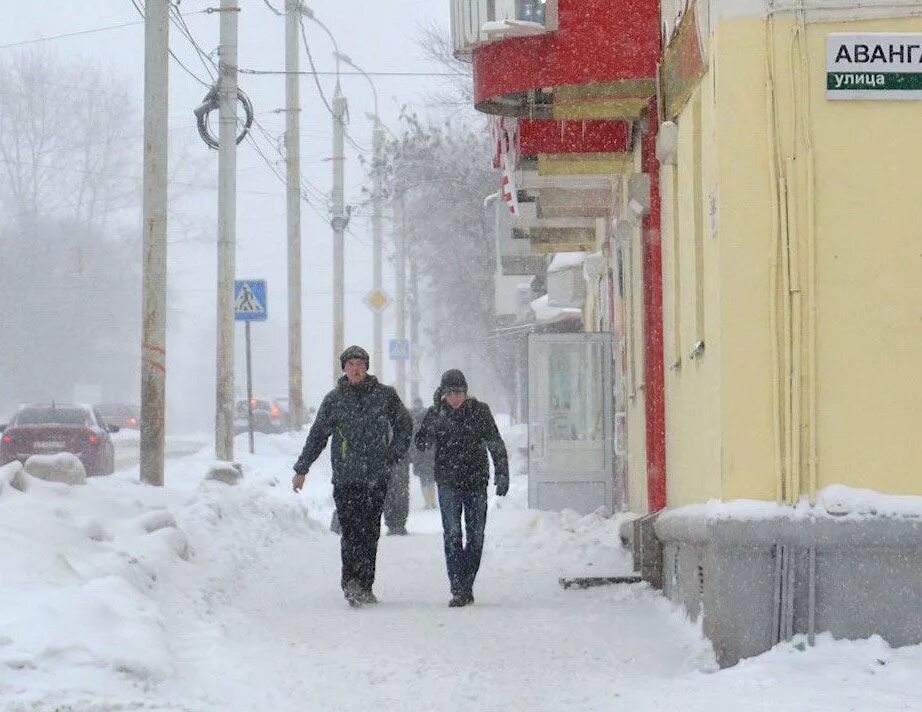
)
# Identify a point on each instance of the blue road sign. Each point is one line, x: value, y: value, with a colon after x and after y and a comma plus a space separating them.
x: 399, y: 349
x: 250, y: 300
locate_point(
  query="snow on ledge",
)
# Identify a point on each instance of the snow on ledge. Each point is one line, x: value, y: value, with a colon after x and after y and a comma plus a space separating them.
x: 566, y: 260
x: 835, y: 501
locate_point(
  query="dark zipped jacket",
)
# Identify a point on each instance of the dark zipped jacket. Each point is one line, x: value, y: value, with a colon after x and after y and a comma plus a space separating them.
x: 370, y: 427
x: 462, y: 438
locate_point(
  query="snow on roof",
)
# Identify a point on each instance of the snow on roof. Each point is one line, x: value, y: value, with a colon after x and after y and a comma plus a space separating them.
x: 566, y: 260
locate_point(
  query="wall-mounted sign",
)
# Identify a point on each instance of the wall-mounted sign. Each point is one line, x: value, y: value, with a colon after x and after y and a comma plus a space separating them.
x: 874, y: 66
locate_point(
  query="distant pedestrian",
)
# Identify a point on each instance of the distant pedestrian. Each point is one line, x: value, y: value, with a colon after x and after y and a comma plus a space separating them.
x: 463, y: 430
x: 371, y: 432
x: 423, y: 461
x: 397, y: 502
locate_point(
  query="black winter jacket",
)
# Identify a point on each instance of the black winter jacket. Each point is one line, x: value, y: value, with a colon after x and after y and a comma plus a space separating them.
x: 371, y: 431
x: 462, y: 438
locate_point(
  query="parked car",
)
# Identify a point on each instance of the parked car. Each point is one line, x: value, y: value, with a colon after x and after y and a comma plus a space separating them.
x: 124, y: 415
x: 267, y: 416
x: 49, y: 429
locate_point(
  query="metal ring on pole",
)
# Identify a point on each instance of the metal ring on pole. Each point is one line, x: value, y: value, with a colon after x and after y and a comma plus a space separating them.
x: 210, y: 103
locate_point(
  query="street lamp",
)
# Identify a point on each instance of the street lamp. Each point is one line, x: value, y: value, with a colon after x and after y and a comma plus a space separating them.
x: 340, y: 218
x: 377, y: 212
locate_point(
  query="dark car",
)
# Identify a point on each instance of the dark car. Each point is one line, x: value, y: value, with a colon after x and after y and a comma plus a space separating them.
x: 124, y: 415
x: 267, y: 416
x: 43, y: 429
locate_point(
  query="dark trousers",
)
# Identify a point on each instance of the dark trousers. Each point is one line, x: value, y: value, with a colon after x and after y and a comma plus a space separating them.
x: 463, y: 558
x: 397, y: 503
x: 359, y: 506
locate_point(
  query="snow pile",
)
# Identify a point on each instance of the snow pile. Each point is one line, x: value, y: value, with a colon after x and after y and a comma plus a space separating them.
x: 64, y: 467
x: 83, y: 568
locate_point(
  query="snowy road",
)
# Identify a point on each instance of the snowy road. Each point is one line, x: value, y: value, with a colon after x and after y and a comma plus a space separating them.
x: 200, y: 597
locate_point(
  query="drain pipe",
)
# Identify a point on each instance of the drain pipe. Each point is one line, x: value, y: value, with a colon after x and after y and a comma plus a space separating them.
x: 811, y: 602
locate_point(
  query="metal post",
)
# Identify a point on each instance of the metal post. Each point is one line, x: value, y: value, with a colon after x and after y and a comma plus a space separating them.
x: 249, y: 387
x: 293, y: 163
x: 401, y: 235
x: 153, y: 345
x: 376, y: 235
x: 227, y: 213
x: 414, y: 328
x: 339, y: 226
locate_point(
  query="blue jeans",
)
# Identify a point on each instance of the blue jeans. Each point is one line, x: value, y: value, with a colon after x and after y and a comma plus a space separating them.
x: 463, y: 559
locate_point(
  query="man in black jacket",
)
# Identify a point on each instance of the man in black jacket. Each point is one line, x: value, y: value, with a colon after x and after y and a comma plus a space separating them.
x: 463, y: 430
x: 371, y: 432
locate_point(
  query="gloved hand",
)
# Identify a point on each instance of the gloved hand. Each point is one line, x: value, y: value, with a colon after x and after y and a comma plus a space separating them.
x: 297, y: 482
x: 502, y: 485
x: 390, y: 457
x: 437, y: 397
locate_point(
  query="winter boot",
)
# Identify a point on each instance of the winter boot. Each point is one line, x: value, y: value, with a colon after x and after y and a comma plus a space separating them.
x: 367, y: 598
x: 353, y: 594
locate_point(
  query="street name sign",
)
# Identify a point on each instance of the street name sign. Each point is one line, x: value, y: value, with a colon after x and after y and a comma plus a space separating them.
x: 250, y: 300
x: 874, y: 66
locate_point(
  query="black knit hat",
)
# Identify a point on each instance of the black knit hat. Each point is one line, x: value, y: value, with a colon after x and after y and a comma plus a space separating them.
x: 453, y: 380
x: 351, y: 353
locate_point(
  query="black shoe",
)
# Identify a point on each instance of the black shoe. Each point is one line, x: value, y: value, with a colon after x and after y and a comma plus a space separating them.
x: 353, y: 596
x: 366, y: 598
x: 397, y: 531
x: 460, y: 600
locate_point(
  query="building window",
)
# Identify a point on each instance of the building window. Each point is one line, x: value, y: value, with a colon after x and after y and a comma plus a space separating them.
x: 530, y: 10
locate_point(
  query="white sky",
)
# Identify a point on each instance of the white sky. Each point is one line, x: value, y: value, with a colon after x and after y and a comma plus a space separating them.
x: 380, y: 37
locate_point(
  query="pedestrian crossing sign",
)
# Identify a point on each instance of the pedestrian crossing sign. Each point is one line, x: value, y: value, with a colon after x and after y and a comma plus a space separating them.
x: 399, y: 349
x: 250, y: 300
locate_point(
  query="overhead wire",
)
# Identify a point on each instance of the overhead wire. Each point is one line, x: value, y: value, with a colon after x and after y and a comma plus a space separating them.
x: 173, y: 54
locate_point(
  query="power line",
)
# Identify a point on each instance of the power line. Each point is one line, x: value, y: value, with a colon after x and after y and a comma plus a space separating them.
x: 66, y: 35
x: 173, y: 54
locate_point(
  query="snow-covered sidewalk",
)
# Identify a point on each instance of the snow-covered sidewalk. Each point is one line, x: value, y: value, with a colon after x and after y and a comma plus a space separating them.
x: 201, y: 597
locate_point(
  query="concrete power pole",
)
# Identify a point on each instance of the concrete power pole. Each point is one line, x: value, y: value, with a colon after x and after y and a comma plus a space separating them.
x: 293, y: 162
x: 227, y: 214
x: 153, y: 345
x: 414, y: 328
x: 400, y: 225
x: 376, y: 235
x: 339, y: 222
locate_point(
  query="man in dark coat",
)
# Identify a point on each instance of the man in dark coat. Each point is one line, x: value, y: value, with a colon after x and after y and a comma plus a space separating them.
x: 371, y: 432
x: 462, y: 430
x: 423, y: 461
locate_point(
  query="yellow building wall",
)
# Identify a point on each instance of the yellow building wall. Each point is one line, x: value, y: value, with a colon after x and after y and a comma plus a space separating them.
x: 850, y: 222
x: 691, y: 310
x: 635, y: 373
x: 741, y: 272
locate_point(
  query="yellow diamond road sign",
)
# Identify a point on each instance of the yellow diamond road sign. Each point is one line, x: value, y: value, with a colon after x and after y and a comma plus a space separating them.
x: 377, y: 300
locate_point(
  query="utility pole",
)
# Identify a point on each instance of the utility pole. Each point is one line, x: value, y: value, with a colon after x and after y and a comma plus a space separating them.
x: 153, y: 343
x: 293, y: 164
x: 400, y: 223
x: 377, y: 143
x: 339, y: 222
x: 227, y: 214
x: 414, y: 328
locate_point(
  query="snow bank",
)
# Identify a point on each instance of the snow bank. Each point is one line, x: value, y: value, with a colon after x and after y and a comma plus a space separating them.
x: 83, y: 570
x: 64, y: 467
